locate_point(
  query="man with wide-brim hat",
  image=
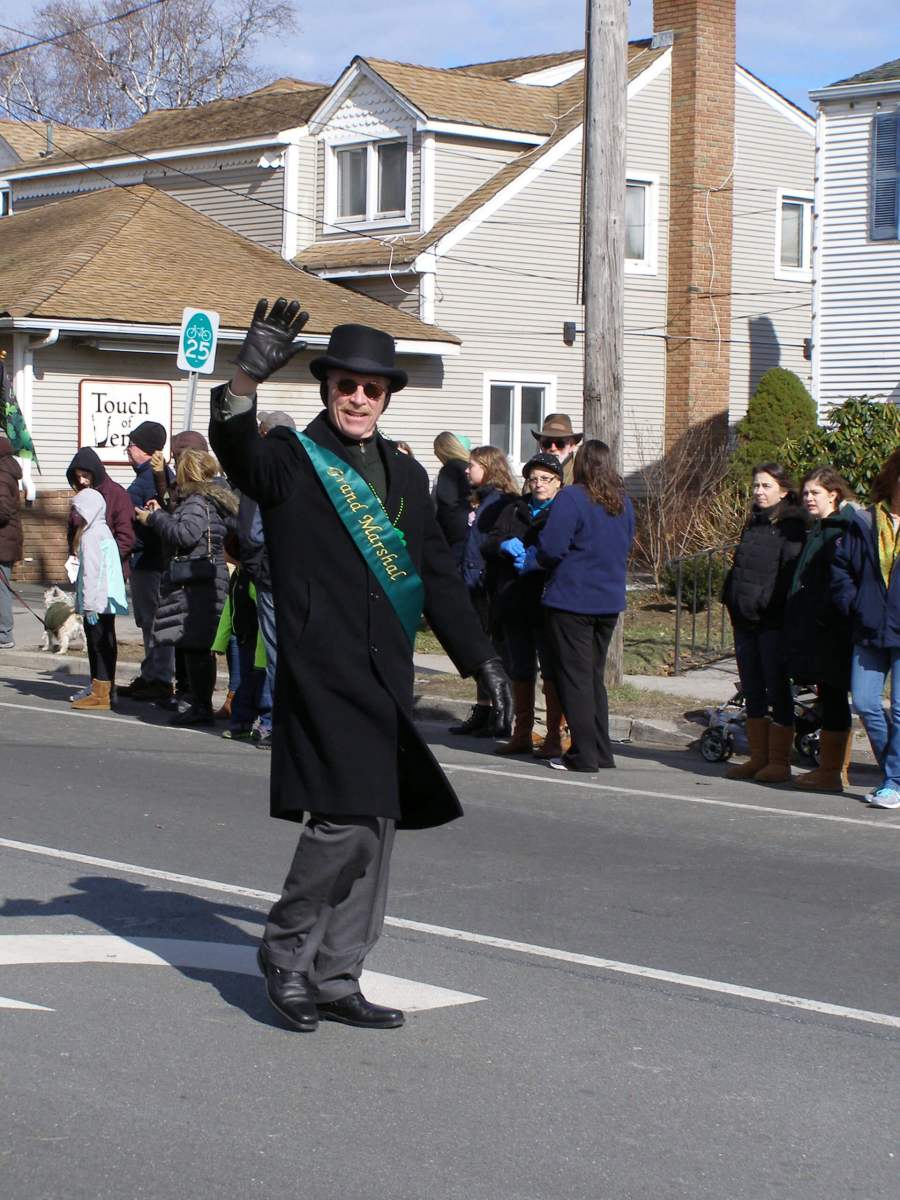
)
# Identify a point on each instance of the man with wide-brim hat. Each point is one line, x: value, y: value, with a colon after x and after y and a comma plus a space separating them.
x: 556, y: 436
x: 356, y: 556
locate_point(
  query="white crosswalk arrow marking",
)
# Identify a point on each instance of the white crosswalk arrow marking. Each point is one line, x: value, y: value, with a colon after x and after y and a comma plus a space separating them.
x: 30, y: 948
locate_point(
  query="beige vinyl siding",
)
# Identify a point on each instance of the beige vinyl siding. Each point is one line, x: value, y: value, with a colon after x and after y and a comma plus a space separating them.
x: 230, y: 188
x: 248, y: 200
x: 402, y: 293
x: 463, y: 164
x: 520, y: 281
x: 305, y: 199
x: 59, y: 369
x: 770, y: 316
x: 856, y: 338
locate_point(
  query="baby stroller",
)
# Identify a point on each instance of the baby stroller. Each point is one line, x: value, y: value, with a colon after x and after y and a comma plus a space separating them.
x: 725, y: 733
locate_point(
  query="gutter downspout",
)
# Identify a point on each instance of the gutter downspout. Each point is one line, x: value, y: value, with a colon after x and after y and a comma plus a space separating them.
x: 23, y: 384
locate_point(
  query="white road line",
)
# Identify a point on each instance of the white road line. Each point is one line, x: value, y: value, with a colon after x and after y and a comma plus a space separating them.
x: 479, y: 939
x: 7, y: 1002
x: 89, y: 716
x: 559, y: 778
x: 107, y: 948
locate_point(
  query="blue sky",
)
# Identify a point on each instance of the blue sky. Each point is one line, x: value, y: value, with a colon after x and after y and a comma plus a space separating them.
x: 795, y: 45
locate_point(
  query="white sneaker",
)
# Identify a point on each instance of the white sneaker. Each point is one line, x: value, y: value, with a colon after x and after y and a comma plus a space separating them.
x: 556, y: 764
x: 884, y: 797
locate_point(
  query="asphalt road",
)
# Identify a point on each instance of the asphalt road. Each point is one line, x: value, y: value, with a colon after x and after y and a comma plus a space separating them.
x: 649, y: 983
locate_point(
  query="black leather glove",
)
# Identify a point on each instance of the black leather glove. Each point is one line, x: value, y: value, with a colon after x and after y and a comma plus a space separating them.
x: 269, y: 343
x: 491, y: 676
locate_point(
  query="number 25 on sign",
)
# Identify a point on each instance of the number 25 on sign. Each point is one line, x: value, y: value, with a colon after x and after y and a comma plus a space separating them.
x: 197, y: 342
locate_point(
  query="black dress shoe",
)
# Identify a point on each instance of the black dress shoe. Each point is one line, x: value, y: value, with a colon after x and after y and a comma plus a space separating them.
x: 357, y: 1010
x: 288, y: 993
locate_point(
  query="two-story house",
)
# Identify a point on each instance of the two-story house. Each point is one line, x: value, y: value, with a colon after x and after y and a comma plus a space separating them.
x: 856, y: 311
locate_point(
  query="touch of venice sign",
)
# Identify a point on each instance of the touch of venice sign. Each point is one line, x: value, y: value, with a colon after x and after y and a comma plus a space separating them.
x: 109, y: 409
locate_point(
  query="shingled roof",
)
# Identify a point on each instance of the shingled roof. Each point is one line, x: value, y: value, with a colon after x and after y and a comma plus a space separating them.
x: 402, y: 251
x: 29, y: 138
x: 470, y: 99
x: 281, y: 105
x: 134, y: 255
x: 512, y: 68
x: 886, y: 73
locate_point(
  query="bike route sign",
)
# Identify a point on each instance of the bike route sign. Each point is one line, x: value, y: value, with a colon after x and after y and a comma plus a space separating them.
x: 197, y: 343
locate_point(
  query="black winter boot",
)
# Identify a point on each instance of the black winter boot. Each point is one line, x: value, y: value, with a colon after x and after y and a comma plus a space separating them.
x: 477, y: 723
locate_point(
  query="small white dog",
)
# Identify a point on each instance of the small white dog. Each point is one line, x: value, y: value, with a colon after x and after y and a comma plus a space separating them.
x: 62, y: 625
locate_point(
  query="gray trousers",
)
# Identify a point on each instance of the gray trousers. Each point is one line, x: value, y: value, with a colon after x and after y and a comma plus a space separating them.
x: 332, y: 905
x: 159, y: 661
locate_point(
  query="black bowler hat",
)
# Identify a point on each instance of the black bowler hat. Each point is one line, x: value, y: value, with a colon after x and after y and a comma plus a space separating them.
x: 362, y: 350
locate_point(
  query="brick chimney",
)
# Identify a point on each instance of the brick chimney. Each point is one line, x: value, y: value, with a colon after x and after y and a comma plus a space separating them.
x: 700, y: 207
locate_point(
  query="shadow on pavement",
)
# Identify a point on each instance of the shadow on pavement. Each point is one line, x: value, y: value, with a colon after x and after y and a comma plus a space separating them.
x: 133, y: 911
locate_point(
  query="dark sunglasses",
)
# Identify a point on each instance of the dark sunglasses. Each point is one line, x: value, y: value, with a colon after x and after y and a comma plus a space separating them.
x: 348, y: 387
x: 549, y: 443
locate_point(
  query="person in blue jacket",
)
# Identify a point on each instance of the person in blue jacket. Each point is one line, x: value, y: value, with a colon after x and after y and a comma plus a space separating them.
x: 865, y: 587
x: 585, y: 547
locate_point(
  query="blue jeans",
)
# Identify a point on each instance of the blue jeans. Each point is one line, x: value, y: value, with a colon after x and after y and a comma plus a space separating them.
x: 265, y: 614
x: 252, y: 700
x: 869, y: 671
x: 233, y: 658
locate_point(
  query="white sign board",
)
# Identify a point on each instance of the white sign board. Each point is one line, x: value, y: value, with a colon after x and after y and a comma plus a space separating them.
x: 109, y: 409
x: 197, y: 341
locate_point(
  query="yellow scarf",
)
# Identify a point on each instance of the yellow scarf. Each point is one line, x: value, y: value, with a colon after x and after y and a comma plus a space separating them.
x: 888, y: 541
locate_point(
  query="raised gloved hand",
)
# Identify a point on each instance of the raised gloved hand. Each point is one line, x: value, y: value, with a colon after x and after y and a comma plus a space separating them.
x: 492, y: 678
x: 269, y: 343
x: 528, y: 562
x: 91, y: 617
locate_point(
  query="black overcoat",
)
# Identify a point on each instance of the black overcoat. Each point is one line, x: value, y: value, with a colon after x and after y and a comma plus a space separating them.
x: 344, y: 742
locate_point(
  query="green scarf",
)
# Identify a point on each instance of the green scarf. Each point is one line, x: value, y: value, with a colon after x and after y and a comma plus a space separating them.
x: 888, y: 541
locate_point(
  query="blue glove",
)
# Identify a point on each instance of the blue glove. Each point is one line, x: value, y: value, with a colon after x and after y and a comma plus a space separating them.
x: 513, y: 547
x: 91, y: 618
x: 529, y: 562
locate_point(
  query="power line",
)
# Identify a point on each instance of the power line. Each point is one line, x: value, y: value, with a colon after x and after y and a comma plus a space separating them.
x: 58, y: 37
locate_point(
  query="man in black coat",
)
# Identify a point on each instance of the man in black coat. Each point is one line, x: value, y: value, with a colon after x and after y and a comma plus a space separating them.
x: 345, y: 752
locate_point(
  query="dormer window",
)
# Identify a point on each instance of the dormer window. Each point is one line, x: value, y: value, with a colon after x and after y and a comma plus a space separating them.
x: 368, y: 184
x: 5, y: 200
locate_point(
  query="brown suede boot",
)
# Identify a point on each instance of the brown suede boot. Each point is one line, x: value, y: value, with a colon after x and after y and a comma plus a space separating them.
x: 778, y: 769
x: 523, y: 723
x: 552, y: 745
x: 828, y: 775
x: 758, y: 737
x: 98, y: 698
x: 224, y: 713
x: 848, y: 758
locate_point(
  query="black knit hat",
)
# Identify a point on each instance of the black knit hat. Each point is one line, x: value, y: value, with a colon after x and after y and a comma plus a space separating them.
x: 547, y: 462
x: 362, y: 350
x: 149, y: 436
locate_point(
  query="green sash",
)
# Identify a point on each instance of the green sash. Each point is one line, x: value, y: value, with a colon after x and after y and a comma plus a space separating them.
x: 381, y: 545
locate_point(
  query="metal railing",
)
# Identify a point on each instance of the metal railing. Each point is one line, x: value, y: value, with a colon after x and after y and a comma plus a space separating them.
x: 699, y: 612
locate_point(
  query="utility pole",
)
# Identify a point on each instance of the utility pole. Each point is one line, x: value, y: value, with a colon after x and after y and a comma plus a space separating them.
x: 606, y: 84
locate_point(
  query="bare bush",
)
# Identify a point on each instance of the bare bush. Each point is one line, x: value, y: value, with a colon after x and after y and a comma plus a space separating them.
x: 687, y: 503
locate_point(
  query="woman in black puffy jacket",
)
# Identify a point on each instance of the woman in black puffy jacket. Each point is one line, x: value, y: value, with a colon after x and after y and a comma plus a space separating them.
x: 755, y: 595
x: 189, y: 610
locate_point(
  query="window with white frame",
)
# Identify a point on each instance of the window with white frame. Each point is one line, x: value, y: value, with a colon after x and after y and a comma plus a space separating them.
x: 516, y: 406
x: 793, y: 248
x: 640, y: 225
x: 371, y: 182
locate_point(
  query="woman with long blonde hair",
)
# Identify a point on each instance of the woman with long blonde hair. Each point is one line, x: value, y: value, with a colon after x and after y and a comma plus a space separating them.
x: 492, y: 489
x: 451, y: 490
